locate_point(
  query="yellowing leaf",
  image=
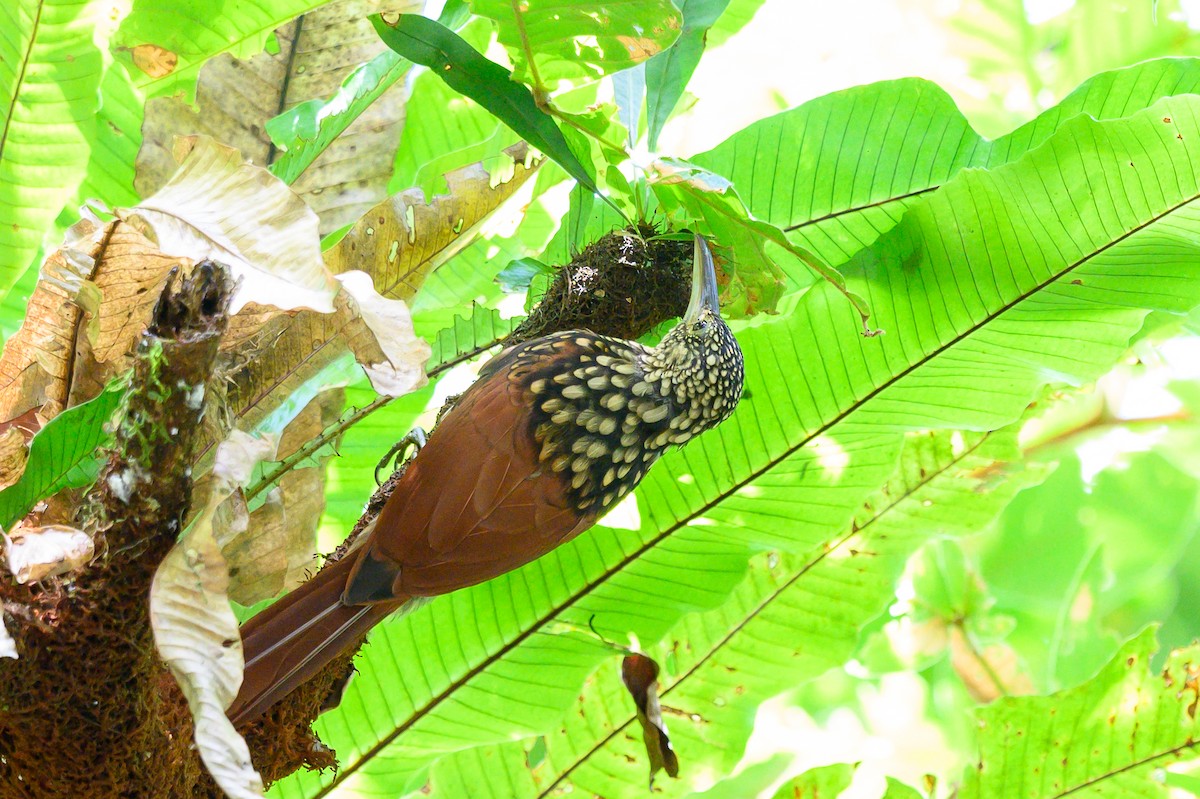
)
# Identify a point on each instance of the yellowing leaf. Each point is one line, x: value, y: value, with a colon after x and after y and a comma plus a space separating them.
x: 155, y: 61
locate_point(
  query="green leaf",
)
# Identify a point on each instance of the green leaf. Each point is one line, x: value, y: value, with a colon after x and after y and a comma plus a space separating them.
x: 469, y: 338
x: 519, y: 273
x: 52, y: 60
x: 432, y: 45
x: 550, y: 41
x: 66, y: 453
x: 824, y: 782
x: 838, y: 171
x: 629, y: 92
x: 757, y: 283
x: 898, y: 790
x: 1105, y: 737
x: 726, y: 661
x: 668, y: 73
x: 454, y: 130
x: 195, y: 31
x: 1004, y: 280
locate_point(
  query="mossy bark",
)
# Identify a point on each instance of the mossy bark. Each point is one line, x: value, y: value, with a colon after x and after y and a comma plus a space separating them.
x: 89, y: 709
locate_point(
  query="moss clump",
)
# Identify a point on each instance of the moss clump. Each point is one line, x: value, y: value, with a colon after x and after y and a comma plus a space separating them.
x: 624, y: 285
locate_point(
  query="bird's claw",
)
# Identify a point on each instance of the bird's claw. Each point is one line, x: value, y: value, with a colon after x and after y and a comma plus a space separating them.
x: 416, y: 439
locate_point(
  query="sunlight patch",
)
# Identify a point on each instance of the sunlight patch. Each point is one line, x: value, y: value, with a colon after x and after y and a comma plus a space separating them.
x: 831, y: 456
x: 624, y: 515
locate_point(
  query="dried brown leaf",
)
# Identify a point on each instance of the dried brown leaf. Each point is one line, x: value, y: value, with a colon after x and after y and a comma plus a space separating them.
x: 277, y: 547
x: 640, y: 675
x: 14, y: 450
x: 379, y: 331
x: 235, y: 99
x: 36, y: 366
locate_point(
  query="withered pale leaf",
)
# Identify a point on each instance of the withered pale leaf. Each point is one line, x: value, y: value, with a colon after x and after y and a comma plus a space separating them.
x: 13, y: 452
x: 640, y: 675
x: 397, y: 254
x: 277, y: 550
x: 235, y: 99
x: 239, y: 454
x: 197, y: 636
x: 379, y: 331
x: 218, y: 206
x: 35, y: 553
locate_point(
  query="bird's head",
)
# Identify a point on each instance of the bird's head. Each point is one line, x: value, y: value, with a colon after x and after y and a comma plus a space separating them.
x: 700, y: 356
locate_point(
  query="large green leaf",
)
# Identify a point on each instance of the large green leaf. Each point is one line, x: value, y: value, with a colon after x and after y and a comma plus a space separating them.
x: 66, y: 453
x: 549, y: 40
x: 1035, y: 272
x: 52, y: 57
x: 840, y: 170
x: 1106, y: 737
x: 668, y: 73
x: 718, y: 666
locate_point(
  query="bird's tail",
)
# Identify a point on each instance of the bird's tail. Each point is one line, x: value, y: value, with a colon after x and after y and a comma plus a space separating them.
x: 289, y: 642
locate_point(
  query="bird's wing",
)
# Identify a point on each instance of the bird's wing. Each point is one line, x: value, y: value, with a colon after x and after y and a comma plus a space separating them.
x: 474, y: 503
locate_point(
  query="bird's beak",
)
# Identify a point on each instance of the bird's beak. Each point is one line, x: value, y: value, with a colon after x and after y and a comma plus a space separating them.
x: 704, y: 283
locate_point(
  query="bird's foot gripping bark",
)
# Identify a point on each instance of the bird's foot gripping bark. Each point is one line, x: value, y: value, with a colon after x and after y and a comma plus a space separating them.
x: 415, y: 439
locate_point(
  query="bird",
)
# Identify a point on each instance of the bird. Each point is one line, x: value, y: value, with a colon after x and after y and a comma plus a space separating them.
x: 553, y: 433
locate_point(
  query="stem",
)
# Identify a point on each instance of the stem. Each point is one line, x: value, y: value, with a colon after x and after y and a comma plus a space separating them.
x: 959, y: 624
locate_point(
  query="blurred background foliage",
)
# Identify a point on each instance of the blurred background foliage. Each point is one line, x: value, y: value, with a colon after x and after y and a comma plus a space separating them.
x: 1075, y: 566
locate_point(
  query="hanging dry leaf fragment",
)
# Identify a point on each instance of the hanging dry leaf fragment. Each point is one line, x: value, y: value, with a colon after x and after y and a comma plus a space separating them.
x: 640, y: 675
x: 218, y: 206
x: 379, y: 332
x: 194, y: 627
x: 277, y: 548
x: 35, y: 553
